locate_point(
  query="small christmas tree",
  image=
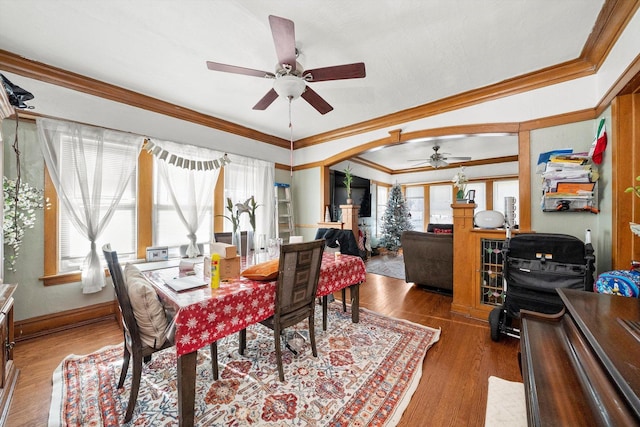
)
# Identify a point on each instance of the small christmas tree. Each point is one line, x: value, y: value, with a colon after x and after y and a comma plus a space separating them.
x: 395, y: 220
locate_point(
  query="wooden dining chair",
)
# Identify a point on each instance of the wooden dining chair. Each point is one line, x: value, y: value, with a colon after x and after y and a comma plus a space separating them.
x: 298, y: 274
x: 133, y: 342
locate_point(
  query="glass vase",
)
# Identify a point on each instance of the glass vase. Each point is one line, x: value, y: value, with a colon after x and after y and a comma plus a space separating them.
x: 236, y: 240
x: 250, y: 249
x: 261, y: 248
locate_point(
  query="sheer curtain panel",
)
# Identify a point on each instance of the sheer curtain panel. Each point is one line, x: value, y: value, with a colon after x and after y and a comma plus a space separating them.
x: 90, y: 168
x: 190, y: 190
x: 246, y: 177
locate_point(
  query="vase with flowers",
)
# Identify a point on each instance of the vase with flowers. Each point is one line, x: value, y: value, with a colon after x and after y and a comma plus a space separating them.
x: 460, y: 182
x: 234, y: 217
x: 250, y: 206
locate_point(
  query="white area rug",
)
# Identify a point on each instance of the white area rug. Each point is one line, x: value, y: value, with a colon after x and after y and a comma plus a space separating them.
x: 505, y: 404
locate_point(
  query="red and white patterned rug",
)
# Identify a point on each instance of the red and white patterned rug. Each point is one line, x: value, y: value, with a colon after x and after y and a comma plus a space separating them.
x: 364, y: 375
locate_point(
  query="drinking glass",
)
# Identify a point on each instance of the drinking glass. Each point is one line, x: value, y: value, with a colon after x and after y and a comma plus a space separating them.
x: 273, y: 248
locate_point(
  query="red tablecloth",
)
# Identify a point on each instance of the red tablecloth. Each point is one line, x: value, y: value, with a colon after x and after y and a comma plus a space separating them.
x: 336, y: 275
x: 204, y: 315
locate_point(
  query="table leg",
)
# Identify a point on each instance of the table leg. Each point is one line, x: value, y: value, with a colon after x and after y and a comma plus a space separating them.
x: 186, y: 388
x: 354, y: 290
x: 325, y: 303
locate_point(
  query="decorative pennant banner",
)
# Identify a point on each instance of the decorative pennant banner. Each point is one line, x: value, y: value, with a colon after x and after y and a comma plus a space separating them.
x: 181, y: 162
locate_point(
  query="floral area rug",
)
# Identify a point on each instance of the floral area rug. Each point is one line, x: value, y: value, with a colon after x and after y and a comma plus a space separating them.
x: 364, y: 375
x: 387, y: 265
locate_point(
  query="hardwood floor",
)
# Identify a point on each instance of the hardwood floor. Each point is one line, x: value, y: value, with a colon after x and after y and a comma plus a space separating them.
x: 452, y: 390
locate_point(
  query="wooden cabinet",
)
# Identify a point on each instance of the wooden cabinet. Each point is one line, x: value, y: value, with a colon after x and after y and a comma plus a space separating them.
x: 8, y: 371
x: 477, y: 265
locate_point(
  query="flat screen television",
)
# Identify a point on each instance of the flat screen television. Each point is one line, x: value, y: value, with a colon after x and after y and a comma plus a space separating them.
x: 360, y: 193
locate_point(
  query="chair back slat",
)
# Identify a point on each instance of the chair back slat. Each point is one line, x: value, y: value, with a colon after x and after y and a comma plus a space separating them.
x: 299, y: 271
x: 117, y: 278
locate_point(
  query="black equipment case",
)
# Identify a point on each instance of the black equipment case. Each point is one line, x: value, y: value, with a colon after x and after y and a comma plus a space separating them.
x: 535, y: 265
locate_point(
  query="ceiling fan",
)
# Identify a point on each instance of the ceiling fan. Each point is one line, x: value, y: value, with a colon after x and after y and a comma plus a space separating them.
x: 290, y: 79
x: 438, y: 160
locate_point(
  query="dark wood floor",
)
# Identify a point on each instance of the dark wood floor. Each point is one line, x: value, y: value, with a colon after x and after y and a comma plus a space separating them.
x: 452, y: 390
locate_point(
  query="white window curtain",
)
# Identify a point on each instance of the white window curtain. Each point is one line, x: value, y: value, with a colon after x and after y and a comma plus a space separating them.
x: 74, y: 155
x: 246, y: 177
x: 190, y: 190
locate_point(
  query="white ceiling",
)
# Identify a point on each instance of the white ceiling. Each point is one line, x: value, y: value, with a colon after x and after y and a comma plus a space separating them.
x: 415, y: 51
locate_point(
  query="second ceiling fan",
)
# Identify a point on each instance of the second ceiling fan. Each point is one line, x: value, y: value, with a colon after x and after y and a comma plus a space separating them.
x: 290, y: 79
x: 438, y: 160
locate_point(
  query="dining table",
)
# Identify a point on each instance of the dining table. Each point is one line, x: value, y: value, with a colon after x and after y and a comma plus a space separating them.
x: 204, y: 315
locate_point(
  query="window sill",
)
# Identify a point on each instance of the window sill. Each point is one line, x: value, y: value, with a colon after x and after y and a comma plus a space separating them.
x: 64, y: 278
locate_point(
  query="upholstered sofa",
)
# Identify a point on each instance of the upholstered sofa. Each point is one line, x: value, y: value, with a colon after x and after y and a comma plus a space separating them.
x: 428, y: 257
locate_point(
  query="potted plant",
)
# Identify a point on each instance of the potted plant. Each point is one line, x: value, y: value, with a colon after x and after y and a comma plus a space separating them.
x: 635, y: 228
x: 234, y: 217
x: 348, y: 177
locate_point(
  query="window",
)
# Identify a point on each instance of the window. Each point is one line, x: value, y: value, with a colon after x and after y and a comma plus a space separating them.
x: 245, y: 177
x: 382, y: 194
x: 440, y: 198
x: 168, y: 229
x: 502, y: 189
x: 121, y: 230
x: 480, y: 197
x: 414, y: 197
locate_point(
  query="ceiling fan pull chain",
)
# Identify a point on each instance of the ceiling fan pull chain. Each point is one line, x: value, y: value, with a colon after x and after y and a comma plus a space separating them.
x: 290, y: 141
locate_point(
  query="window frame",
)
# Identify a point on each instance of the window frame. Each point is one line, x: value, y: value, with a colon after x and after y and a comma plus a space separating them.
x: 52, y: 275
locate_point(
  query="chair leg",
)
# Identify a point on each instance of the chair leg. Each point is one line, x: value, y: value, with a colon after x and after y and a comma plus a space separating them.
x: 344, y: 299
x: 276, y: 335
x: 135, y: 387
x: 214, y: 359
x: 242, y: 339
x: 312, y: 335
x: 125, y: 366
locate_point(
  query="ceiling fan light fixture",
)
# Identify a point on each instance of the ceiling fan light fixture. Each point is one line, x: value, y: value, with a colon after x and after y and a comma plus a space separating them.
x: 289, y: 86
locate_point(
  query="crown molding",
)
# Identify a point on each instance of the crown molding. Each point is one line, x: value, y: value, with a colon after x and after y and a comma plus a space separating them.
x: 611, y: 21
x: 13, y: 63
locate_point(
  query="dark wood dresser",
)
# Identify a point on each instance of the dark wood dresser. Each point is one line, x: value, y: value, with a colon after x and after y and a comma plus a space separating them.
x: 8, y: 371
x: 582, y: 366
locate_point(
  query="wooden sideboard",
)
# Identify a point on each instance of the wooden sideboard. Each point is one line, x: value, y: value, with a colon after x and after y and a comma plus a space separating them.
x: 471, y: 269
x: 8, y: 371
x: 582, y: 366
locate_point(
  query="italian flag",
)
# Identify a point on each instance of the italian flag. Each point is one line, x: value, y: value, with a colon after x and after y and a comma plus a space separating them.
x: 599, y: 143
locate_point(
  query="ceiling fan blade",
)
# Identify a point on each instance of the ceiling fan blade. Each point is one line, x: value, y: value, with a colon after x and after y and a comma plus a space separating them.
x: 266, y: 100
x: 216, y: 66
x: 316, y: 101
x: 284, y: 39
x: 456, y: 158
x: 420, y: 164
x: 338, y: 72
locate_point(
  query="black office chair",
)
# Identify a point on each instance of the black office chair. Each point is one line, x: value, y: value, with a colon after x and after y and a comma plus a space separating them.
x: 133, y: 345
x: 298, y: 274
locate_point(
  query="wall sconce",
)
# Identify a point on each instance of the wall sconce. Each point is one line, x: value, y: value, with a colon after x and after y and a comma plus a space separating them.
x: 471, y: 195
